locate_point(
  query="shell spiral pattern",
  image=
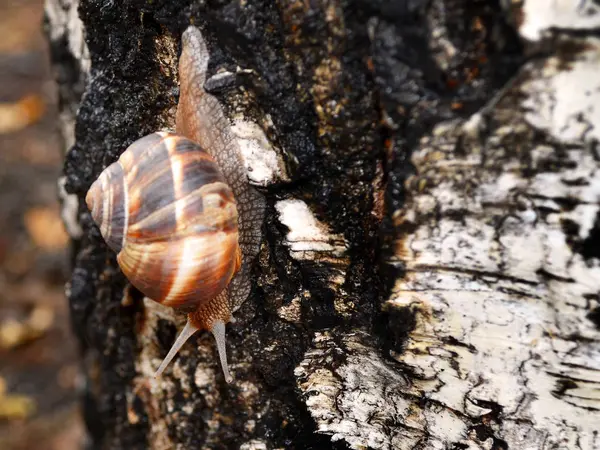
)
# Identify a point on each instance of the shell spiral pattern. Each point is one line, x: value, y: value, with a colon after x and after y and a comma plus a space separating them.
x: 166, y: 209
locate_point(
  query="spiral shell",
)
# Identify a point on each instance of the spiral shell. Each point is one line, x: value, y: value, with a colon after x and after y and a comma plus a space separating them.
x: 167, y: 211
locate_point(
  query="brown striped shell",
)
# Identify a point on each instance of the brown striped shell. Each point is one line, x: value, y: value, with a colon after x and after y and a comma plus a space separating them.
x: 168, y: 212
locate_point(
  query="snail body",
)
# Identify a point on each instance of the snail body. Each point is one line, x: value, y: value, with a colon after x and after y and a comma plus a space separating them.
x: 179, y: 212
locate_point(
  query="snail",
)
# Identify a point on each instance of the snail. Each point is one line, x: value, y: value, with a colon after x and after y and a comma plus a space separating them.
x: 179, y: 212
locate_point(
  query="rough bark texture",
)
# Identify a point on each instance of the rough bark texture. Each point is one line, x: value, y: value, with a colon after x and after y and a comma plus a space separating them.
x: 430, y: 272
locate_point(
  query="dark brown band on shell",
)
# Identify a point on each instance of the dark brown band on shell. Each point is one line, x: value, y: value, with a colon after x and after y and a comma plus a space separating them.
x: 171, y: 190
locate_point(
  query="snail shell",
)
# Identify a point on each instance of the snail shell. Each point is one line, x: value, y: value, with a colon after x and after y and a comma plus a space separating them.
x: 179, y: 212
x: 165, y: 208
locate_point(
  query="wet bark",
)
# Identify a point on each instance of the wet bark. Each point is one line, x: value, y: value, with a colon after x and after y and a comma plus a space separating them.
x: 429, y: 276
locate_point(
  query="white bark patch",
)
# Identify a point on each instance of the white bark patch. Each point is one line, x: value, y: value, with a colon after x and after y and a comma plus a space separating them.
x: 356, y: 396
x: 263, y: 163
x: 308, y: 238
x: 500, y: 295
x: 254, y: 444
x: 67, y: 24
x: 565, y: 101
x: 69, y: 210
x: 540, y: 16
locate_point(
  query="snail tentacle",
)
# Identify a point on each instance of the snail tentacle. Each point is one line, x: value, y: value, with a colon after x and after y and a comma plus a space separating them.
x: 218, y: 331
x: 188, y: 331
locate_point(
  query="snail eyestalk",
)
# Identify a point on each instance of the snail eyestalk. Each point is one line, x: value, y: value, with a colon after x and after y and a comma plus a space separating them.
x: 218, y: 331
x: 185, y: 334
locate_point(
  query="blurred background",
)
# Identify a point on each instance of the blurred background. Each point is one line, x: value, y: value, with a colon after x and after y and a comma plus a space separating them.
x: 38, y: 355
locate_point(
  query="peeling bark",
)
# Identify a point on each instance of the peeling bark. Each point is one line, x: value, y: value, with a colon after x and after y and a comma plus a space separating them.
x: 430, y: 276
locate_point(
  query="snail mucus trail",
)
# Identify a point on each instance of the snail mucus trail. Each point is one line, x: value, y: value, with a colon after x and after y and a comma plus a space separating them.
x: 179, y: 212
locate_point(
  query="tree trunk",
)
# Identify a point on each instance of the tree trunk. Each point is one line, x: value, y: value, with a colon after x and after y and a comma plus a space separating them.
x: 430, y: 271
